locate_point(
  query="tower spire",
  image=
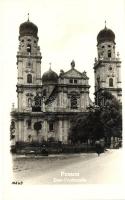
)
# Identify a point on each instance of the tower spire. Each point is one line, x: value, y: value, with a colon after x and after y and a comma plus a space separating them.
x: 50, y: 64
x: 105, y: 24
x: 28, y: 17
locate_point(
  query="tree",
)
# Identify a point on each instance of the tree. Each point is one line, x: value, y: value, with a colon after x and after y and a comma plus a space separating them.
x: 103, y: 121
x: 77, y: 132
x: 95, y: 125
x: 111, y: 117
x: 86, y: 127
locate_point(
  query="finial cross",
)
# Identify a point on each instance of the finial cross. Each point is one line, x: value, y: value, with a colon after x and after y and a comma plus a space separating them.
x: 105, y: 23
x: 50, y: 64
x: 28, y: 17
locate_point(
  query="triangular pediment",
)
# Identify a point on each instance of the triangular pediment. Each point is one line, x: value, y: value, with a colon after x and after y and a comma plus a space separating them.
x: 73, y: 73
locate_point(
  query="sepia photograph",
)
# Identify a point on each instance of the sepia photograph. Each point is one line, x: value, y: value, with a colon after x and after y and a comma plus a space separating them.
x: 62, y: 86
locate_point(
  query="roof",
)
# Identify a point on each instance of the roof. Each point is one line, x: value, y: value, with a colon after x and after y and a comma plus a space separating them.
x: 28, y: 28
x: 105, y: 35
x: 50, y: 77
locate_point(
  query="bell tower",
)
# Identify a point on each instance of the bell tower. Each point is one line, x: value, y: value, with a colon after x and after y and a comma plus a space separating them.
x: 28, y: 64
x: 107, y: 66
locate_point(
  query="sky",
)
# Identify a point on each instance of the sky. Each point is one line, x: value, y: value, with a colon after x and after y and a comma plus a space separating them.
x: 67, y: 30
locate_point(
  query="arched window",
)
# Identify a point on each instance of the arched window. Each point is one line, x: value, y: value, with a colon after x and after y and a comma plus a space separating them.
x: 111, y: 82
x: 109, y: 53
x: 29, y: 123
x: 29, y: 48
x: 29, y: 102
x: 74, y: 102
x: 29, y: 78
x: 51, y: 126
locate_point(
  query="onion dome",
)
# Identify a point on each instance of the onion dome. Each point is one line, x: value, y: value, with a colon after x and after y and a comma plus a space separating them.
x: 49, y: 77
x: 106, y: 35
x: 28, y: 28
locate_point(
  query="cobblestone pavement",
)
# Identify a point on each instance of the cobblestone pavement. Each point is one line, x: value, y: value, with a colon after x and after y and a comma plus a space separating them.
x: 69, y: 169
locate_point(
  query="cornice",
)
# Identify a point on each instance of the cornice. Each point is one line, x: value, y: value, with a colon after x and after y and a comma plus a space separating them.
x: 57, y: 115
x: 31, y: 56
x: 101, y: 62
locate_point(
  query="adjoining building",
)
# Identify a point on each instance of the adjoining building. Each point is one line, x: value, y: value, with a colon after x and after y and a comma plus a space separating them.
x: 47, y: 104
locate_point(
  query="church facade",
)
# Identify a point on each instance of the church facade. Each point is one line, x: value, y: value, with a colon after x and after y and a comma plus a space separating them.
x: 47, y: 104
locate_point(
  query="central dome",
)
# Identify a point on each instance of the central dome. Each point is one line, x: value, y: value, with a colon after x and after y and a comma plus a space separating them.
x: 106, y: 35
x: 28, y: 28
x: 49, y: 77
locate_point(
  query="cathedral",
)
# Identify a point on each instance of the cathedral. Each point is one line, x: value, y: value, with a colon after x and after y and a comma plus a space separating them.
x: 47, y: 104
